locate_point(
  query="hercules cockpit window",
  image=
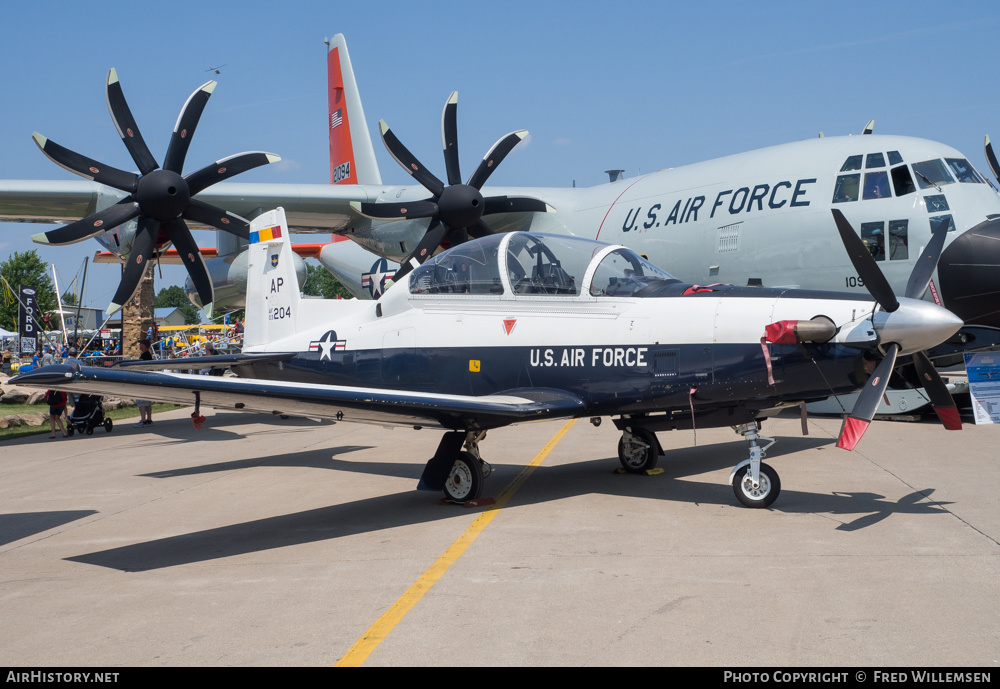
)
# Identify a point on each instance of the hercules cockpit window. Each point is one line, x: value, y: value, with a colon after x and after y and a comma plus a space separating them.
x: 895, y: 158
x: 877, y: 185
x: 942, y: 221
x: 963, y: 170
x: 852, y: 163
x: 873, y: 235
x: 874, y: 160
x: 902, y: 182
x: 623, y: 273
x: 899, y: 240
x: 847, y: 187
x: 932, y: 173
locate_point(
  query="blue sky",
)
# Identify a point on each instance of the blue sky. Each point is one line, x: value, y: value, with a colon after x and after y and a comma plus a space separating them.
x: 639, y: 86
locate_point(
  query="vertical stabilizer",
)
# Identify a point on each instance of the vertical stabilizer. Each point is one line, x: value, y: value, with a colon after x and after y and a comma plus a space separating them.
x: 352, y: 157
x: 272, y: 288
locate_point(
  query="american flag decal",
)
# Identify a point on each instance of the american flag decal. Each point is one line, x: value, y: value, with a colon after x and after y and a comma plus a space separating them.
x: 336, y: 118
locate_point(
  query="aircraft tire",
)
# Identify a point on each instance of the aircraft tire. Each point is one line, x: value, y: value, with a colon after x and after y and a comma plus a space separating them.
x: 767, y: 493
x: 635, y: 458
x: 466, y: 479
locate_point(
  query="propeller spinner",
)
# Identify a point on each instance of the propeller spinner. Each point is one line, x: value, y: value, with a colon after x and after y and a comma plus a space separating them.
x: 456, y: 210
x: 158, y: 199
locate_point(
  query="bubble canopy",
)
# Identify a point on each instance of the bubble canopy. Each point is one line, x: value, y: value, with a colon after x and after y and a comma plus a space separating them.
x: 529, y: 264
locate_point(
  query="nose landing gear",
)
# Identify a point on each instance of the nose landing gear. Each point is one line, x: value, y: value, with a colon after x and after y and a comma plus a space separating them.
x: 755, y: 484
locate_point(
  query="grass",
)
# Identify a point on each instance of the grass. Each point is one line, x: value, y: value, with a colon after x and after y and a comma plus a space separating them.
x: 22, y: 431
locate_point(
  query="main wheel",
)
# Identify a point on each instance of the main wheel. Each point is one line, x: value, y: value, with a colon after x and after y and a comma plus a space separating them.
x: 466, y: 479
x: 639, y: 453
x: 763, y: 494
x: 108, y: 425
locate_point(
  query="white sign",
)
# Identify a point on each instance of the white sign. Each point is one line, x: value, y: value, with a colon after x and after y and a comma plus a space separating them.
x: 983, y: 370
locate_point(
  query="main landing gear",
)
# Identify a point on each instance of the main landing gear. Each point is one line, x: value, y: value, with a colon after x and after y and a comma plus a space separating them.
x: 460, y: 473
x: 638, y: 450
x: 756, y: 484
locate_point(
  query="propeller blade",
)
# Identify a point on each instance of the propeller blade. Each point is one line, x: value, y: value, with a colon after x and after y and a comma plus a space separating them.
x: 86, y: 167
x: 95, y: 224
x: 515, y: 204
x: 863, y: 262
x: 187, y: 249
x: 991, y: 158
x: 869, y: 128
x: 222, y: 170
x: 494, y: 157
x: 207, y: 214
x: 138, y: 261
x: 184, y: 128
x: 449, y: 138
x: 856, y: 424
x: 128, y: 130
x: 922, y: 271
x: 937, y: 391
x: 480, y: 229
x: 396, y: 211
x: 409, y: 162
x: 436, y: 231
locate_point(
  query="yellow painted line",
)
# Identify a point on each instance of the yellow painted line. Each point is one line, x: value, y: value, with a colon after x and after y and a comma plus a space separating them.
x: 364, y: 646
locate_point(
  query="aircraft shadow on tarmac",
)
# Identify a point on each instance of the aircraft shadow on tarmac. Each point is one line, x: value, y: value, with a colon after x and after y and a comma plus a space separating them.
x: 547, y: 483
x: 309, y: 459
x: 14, y: 527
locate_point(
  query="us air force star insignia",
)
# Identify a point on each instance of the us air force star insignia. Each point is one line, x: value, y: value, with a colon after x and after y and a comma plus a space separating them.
x: 327, y: 344
x: 375, y: 281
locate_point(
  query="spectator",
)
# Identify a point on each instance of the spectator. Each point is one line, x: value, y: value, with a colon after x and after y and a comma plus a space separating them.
x: 57, y: 407
x: 145, y: 406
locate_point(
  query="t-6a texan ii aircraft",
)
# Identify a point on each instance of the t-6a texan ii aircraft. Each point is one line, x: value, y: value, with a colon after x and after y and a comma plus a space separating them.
x: 525, y: 326
x: 763, y: 215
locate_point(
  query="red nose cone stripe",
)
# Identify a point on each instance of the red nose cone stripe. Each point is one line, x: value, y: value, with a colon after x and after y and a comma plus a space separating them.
x: 850, y: 434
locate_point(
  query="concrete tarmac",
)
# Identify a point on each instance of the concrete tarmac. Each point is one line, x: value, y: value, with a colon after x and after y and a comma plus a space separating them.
x: 257, y: 541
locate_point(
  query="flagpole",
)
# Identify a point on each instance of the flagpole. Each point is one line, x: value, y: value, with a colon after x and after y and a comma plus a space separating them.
x: 62, y: 319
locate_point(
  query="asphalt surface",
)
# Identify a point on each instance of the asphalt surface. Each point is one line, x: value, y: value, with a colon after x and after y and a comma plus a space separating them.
x: 258, y: 541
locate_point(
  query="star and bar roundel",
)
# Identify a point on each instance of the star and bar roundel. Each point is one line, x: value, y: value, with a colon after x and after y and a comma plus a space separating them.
x: 326, y: 344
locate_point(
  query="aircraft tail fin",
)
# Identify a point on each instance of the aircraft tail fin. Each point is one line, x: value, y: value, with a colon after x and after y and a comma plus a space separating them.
x: 352, y: 156
x: 273, y: 297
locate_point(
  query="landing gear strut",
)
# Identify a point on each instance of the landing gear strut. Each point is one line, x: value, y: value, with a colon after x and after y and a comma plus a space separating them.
x: 755, y: 483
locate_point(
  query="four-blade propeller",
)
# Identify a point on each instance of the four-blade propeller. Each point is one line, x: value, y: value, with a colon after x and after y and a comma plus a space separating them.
x: 158, y: 199
x: 456, y: 210
x: 871, y: 395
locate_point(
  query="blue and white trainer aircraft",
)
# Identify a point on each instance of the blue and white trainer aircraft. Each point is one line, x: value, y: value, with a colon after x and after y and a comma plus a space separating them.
x: 526, y: 326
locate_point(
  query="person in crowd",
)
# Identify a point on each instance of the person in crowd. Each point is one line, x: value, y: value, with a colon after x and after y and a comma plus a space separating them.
x: 145, y: 406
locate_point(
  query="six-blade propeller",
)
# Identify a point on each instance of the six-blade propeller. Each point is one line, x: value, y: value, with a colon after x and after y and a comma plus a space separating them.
x: 158, y: 199
x: 456, y: 210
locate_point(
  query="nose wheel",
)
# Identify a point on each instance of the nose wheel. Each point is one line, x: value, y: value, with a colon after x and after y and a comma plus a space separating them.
x: 755, y: 483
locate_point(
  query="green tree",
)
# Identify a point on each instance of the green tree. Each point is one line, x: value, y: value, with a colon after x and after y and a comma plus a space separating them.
x: 320, y: 283
x: 174, y: 296
x: 24, y: 269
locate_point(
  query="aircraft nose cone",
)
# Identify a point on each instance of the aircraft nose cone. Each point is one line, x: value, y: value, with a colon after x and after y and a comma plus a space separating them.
x: 916, y: 325
x: 969, y: 273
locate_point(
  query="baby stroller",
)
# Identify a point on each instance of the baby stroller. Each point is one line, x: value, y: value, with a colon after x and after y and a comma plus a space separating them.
x: 87, y: 415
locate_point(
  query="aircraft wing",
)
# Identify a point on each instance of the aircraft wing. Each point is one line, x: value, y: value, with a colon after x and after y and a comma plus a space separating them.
x: 357, y: 405
x: 308, y: 207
